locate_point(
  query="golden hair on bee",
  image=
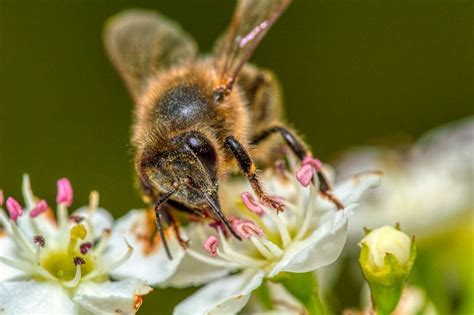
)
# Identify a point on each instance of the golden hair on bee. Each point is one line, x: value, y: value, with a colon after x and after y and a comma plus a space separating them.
x: 198, y: 118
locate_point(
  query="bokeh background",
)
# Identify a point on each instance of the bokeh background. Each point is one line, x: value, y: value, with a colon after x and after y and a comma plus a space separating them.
x: 353, y: 71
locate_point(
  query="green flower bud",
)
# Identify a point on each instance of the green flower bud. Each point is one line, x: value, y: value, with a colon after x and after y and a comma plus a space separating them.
x: 386, y: 259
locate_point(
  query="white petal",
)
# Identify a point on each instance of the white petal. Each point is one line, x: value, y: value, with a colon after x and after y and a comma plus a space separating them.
x: 192, y: 272
x: 7, y: 250
x: 101, y: 219
x: 148, y: 262
x: 352, y: 189
x: 318, y: 250
x: 31, y: 297
x: 120, y: 297
x: 226, y: 296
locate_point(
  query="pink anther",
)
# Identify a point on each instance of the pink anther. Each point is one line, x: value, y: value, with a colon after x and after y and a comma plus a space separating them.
x: 313, y: 162
x: 251, y: 203
x: 211, y: 245
x: 40, y: 207
x: 1, y: 198
x: 14, y: 208
x: 305, y: 175
x: 65, y: 193
x: 247, y: 228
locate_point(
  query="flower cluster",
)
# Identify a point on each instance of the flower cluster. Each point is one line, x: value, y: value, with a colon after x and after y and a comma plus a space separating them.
x: 75, y: 256
x: 57, y: 264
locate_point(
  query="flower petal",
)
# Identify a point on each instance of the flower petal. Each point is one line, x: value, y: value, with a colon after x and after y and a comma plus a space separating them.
x: 149, y: 261
x: 31, y: 297
x: 318, y: 250
x: 7, y: 250
x: 124, y: 297
x: 352, y: 189
x: 225, y: 296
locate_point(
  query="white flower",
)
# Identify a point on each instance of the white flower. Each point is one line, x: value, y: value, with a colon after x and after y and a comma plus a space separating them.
x: 308, y: 235
x: 424, y: 188
x: 387, y: 240
x: 57, y: 266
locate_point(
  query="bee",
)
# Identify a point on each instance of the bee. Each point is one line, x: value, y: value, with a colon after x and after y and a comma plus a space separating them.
x: 198, y: 118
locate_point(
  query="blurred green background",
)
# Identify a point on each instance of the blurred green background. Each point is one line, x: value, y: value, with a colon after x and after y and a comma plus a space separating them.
x: 353, y: 72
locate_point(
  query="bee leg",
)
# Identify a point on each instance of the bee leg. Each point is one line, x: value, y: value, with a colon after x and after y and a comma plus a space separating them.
x: 176, y: 228
x: 160, y: 213
x: 305, y: 156
x: 248, y: 168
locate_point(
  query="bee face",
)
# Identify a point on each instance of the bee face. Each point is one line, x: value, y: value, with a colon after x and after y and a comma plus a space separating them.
x: 190, y: 169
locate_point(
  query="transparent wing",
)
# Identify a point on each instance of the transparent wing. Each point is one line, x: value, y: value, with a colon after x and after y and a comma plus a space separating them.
x: 140, y: 43
x: 251, y: 21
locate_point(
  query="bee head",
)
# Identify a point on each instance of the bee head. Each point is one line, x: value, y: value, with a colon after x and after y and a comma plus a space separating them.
x: 189, y: 169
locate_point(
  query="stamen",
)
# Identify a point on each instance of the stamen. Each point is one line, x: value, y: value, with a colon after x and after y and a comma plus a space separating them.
x: 40, y: 207
x: 27, y: 192
x: 84, y: 248
x: 78, y: 261
x: 39, y: 240
x: 102, y: 242
x: 305, y: 175
x: 1, y: 197
x: 313, y: 162
x: 246, y: 228
x: 93, y: 200
x: 65, y: 193
x: 237, y: 256
x: 281, y: 226
x: 211, y: 245
x: 211, y: 261
x: 77, y: 278
x: 251, y: 203
x: 14, y: 208
x: 78, y: 232
x: 261, y: 248
x: 76, y: 218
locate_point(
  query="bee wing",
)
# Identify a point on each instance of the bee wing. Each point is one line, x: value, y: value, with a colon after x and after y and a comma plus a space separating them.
x: 251, y: 21
x: 140, y: 43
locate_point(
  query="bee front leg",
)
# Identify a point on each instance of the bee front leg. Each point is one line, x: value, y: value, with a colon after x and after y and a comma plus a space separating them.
x: 176, y: 228
x: 305, y: 156
x: 160, y: 213
x: 249, y: 169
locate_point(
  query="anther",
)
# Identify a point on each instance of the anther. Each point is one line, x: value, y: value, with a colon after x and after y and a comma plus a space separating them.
x: 78, y: 261
x: 1, y: 198
x: 39, y: 240
x: 251, y: 203
x: 40, y: 207
x: 76, y: 218
x: 305, y: 175
x: 65, y: 193
x: 211, y: 245
x: 246, y: 228
x: 175, y: 185
x: 14, y: 208
x: 84, y: 248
